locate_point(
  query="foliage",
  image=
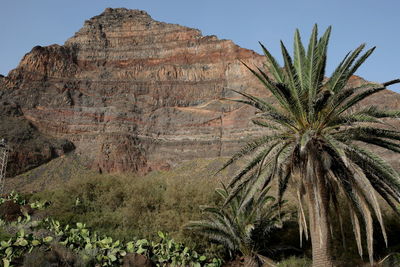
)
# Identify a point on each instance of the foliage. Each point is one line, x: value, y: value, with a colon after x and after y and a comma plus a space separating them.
x: 15, y: 197
x: 129, y: 207
x: 250, y: 217
x: 314, y: 136
x: 393, y: 259
x: 21, y: 200
x: 295, y: 262
x: 103, y: 249
x: 23, y: 241
x: 39, y: 205
x: 168, y: 252
x: 18, y: 245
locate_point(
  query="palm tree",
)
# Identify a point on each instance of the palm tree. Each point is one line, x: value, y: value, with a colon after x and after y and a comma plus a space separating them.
x: 316, y: 132
x: 235, y: 225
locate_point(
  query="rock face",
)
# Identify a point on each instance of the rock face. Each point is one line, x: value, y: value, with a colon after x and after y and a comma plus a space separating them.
x: 30, y: 148
x: 135, y: 94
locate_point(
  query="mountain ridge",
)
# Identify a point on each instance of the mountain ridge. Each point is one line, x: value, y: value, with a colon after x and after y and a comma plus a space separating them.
x: 133, y: 94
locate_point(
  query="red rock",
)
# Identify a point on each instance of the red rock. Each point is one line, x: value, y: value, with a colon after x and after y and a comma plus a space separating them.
x: 135, y: 94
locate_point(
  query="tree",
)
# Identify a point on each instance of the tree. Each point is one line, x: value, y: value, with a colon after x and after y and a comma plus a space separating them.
x: 317, y: 130
x: 250, y: 216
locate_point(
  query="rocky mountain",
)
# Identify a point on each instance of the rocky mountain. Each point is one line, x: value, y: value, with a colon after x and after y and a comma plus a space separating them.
x: 133, y: 94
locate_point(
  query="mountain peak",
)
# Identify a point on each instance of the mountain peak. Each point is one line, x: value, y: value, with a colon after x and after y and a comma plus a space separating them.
x: 135, y: 94
x: 121, y: 13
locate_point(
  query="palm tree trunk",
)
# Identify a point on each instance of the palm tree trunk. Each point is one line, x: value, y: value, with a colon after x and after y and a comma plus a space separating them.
x: 319, y: 226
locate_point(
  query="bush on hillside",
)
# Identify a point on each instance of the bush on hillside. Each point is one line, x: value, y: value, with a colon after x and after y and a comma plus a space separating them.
x: 131, y: 207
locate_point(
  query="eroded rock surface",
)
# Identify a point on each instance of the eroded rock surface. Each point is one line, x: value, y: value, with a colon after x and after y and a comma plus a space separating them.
x: 29, y: 147
x: 135, y: 94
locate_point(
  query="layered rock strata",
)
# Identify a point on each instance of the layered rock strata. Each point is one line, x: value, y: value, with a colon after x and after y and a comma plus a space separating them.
x: 135, y: 94
x: 29, y: 147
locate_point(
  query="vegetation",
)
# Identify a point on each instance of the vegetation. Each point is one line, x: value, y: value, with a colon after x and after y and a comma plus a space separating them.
x: 184, y: 199
x: 295, y: 262
x: 316, y: 142
x: 92, y: 247
x: 244, y: 225
x: 130, y: 207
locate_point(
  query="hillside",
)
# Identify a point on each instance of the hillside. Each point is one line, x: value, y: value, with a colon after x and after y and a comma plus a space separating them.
x: 131, y: 94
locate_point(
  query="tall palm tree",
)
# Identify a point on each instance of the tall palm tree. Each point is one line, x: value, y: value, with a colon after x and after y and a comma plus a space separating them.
x: 315, y: 142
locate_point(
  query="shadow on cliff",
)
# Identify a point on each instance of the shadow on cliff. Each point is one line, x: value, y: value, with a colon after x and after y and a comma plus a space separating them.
x: 29, y: 147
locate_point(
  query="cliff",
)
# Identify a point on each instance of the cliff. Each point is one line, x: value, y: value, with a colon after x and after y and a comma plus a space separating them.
x: 134, y: 94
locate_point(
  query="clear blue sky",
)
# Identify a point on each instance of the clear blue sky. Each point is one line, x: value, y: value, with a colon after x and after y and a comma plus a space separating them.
x: 26, y: 23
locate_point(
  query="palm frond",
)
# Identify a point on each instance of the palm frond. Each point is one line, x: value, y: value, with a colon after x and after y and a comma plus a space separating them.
x: 299, y: 61
x: 356, y: 132
x: 254, y: 162
x: 293, y: 81
x: 375, y: 112
x: 235, y: 227
x: 250, y: 147
x: 317, y: 127
x: 322, y: 48
x: 274, y: 67
x: 341, y: 75
x: 256, y: 102
x: 311, y: 66
x: 356, y: 99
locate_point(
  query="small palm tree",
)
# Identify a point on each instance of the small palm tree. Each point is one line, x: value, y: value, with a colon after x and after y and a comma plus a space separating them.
x: 316, y: 131
x: 234, y: 225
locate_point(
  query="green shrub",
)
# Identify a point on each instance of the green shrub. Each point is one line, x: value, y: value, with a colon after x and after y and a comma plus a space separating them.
x: 295, y: 262
x: 244, y: 223
x: 4, y: 234
x: 128, y: 207
x: 79, y: 246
